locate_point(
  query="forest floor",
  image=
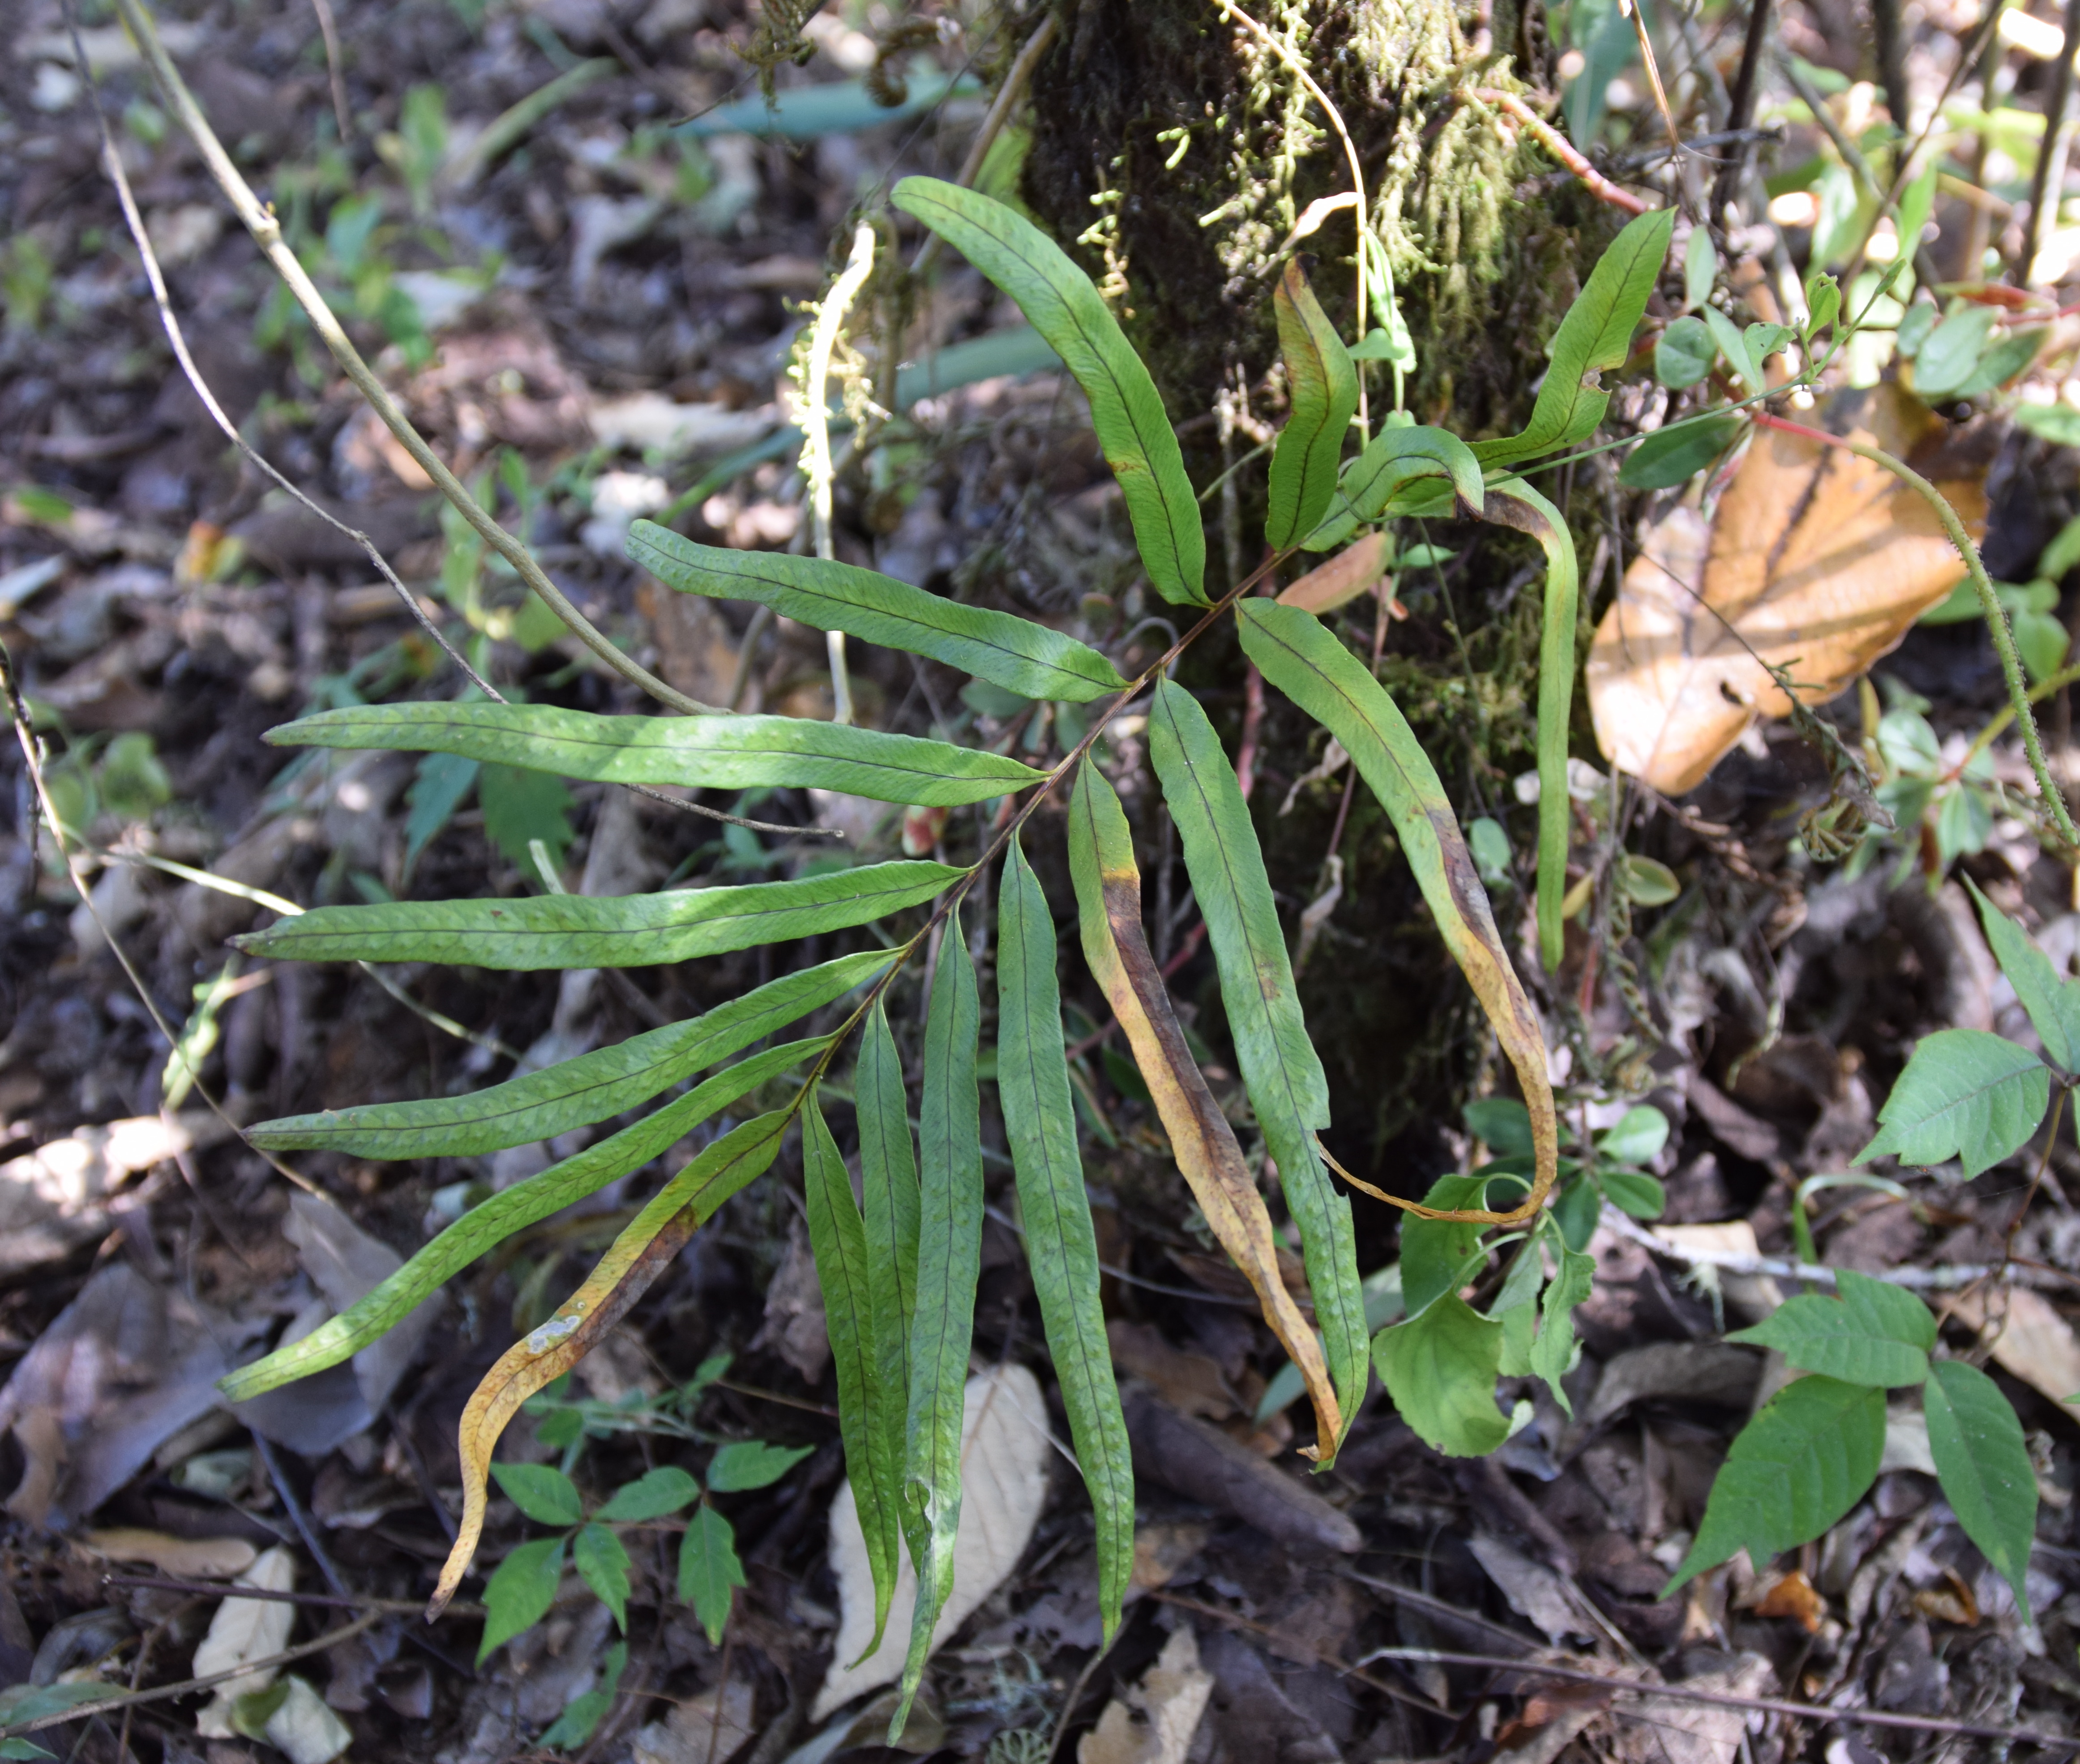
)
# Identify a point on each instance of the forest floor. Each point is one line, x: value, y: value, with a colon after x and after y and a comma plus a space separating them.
x: 595, y: 321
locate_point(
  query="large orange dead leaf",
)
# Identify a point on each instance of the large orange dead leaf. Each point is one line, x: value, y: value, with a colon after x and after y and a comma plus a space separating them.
x: 1817, y: 561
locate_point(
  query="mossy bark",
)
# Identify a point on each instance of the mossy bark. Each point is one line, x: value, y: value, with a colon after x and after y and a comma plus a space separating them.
x: 1172, y: 152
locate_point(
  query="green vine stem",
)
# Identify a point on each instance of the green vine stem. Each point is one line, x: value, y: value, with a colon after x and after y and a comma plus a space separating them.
x: 1997, y: 618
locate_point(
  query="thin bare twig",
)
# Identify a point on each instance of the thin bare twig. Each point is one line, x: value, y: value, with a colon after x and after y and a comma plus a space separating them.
x: 259, y: 220
x: 329, y: 27
x: 188, y: 1686
x: 219, y: 1589
x: 1557, y: 145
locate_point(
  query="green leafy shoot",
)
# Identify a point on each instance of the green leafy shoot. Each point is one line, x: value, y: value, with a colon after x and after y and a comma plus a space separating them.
x: 1983, y: 1464
x: 1964, y: 1094
x: 751, y: 1463
x: 1874, y: 1334
x: 708, y: 1570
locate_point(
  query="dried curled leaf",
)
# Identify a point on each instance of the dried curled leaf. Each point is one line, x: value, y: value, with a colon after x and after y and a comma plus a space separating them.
x: 1817, y: 561
x: 644, y: 1250
x: 1109, y: 905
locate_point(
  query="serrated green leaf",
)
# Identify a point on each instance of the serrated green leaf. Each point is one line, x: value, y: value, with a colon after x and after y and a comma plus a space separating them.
x: 888, y: 1183
x: 1280, y: 1067
x: 1299, y: 656
x: 751, y: 1463
x: 838, y: 1237
x: 1322, y: 386
x: 520, y: 807
x: 1014, y: 653
x: 1874, y: 1334
x: 1513, y: 503
x: 1671, y: 456
x: 571, y: 1093
x: 652, y: 1495
x: 2052, y: 1003
x: 603, y: 1566
x: 1127, y: 410
x: 1061, y: 1245
x: 1797, y: 1467
x: 484, y: 1227
x: 1964, y: 1094
x: 708, y: 1572
x: 520, y: 1592
x: 713, y: 752
x: 1395, y: 460
x: 1439, y: 1368
x: 583, y: 1713
x: 948, y: 1265
x: 541, y: 1491
x: 1553, y: 1353
x: 1983, y: 1462
x: 1594, y: 335
x: 580, y: 931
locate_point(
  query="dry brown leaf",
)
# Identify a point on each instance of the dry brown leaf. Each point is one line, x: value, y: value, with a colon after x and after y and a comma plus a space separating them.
x: 1817, y: 561
x: 1003, y: 1485
x: 2028, y: 1338
x: 180, y: 1558
x: 1345, y: 577
x: 1190, y: 1383
x: 1793, y: 1595
x: 1154, y: 1722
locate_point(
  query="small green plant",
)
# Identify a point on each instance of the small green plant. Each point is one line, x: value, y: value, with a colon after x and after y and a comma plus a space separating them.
x: 523, y: 1587
x: 1812, y: 1450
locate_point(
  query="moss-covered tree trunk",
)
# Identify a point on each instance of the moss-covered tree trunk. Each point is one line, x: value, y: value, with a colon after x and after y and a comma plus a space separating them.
x: 1174, y: 151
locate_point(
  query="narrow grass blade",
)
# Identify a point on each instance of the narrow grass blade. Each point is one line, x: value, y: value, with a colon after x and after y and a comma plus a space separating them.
x: 1127, y: 410
x: 1011, y: 652
x: 1287, y: 1084
x: 888, y: 1182
x: 948, y: 1265
x: 643, y: 1251
x: 571, y: 1093
x: 838, y: 1237
x: 730, y: 753
x: 1033, y: 1086
x: 580, y: 931
x: 1297, y: 655
x: 1108, y: 911
x: 486, y: 1225
x: 1514, y: 503
x: 1323, y: 385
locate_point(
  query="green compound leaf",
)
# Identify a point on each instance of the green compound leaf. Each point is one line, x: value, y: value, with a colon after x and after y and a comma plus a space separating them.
x: 543, y: 1493
x: 584, y: 1712
x: 1594, y: 335
x: 578, y: 931
x: 1514, y: 503
x: 1127, y: 410
x: 1801, y: 1463
x: 949, y: 1264
x: 1671, y: 456
x: 1323, y: 387
x: 1440, y: 1367
x: 1299, y: 656
x: 2052, y: 1003
x: 838, y: 1237
x: 1964, y: 1094
x: 1394, y: 463
x: 888, y: 1181
x: 652, y: 1495
x: 1014, y: 653
x: 751, y: 1463
x: 716, y: 753
x: 571, y: 1093
x: 520, y: 1592
x: 1874, y: 1334
x: 1039, y: 1120
x: 1280, y: 1067
x: 708, y: 1572
x: 486, y: 1225
x: 1553, y: 1353
x: 603, y: 1566
x: 1983, y: 1462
